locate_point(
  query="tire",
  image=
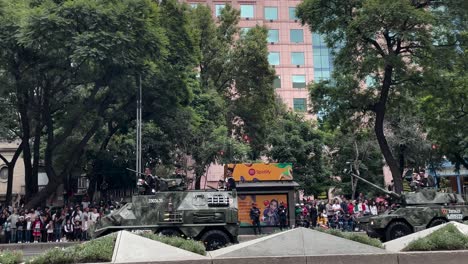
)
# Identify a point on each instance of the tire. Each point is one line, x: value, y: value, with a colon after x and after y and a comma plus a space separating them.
x: 396, y: 230
x: 215, y: 239
x: 170, y: 232
x: 436, y: 222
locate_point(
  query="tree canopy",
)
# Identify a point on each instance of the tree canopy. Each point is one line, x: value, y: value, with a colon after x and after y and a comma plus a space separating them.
x: 383, y: 50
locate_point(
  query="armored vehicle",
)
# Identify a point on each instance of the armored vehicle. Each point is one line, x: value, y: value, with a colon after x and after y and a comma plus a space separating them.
x: 413, y: 212
x: 208, y: 216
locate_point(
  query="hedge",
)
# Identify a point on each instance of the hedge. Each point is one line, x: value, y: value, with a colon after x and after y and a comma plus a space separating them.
x: 11, y: 257
x: 445, y: 238
x: 357, y: 237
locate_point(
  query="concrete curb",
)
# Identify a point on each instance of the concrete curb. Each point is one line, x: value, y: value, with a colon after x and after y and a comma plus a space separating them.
x: 434, y: 257
x: 42, y: 245
x: 446, y: 257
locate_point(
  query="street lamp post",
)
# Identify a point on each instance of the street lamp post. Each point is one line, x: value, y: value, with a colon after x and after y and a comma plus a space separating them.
x: 138, y: 128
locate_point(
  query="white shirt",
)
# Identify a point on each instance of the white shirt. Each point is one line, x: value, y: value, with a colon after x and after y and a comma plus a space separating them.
x: 373, y: 210
x: 336, y: 207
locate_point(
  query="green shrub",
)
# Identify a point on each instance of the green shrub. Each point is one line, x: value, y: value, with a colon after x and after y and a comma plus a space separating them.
x: 54, y: 256
x: 445, y: 238
x: 179, y: 242
x: 97, y: 250
x: 11, y: 257
x: 357, y: 237
x: 364, y: 239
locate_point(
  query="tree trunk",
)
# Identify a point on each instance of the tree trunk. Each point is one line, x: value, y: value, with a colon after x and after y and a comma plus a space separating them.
x: 380, y: 108
x: 11, y: 169
x: 28, y: 176
x: 97, y: 164
x: 401, y: 157
x: 45, y: 193
x: 197, y: 181
x: 36, y: 156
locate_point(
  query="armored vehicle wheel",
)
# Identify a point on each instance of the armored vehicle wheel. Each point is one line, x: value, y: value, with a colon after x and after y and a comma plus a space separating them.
x: 215, y: 239
x: 437, y: 221
x: 171, y: 232
x: 396, y: 230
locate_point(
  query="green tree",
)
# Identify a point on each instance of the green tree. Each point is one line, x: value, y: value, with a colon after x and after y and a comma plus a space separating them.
x: 70, y: 65
x: 296, y: 140
x: 233, y: 92
x: 443, y: 101
x: 378, y: 40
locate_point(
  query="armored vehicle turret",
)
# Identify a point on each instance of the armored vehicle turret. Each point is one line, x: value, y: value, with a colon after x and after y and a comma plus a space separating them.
x: 413, y: 212
x: 208, y: 216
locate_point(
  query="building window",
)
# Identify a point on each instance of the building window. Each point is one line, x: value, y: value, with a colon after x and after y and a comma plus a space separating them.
x: 193, y: 5
x: 218, y: 9
x: 4, y: 174
x: 296, y: 35
x: 273, y: 35
x: 298, y: 81
x: 277, y: 82
x: 271, y: 13
x: 274, y: 58
x: 292, y: 13
x: 247, y: 11
x: 300, y: 104
x: 323, y: 60
x: 297, y: 58
x: 244, y: 31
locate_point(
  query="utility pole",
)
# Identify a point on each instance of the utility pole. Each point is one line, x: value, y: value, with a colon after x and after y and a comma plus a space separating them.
x: 138, y: 129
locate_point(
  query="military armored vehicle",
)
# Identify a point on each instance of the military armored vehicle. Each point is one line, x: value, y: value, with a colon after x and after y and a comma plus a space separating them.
x: 209, y: 216
x: 413, y: 212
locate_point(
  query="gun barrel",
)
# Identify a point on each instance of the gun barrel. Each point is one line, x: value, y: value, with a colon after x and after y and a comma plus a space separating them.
x: 376, y: 186
x: 135, y: 171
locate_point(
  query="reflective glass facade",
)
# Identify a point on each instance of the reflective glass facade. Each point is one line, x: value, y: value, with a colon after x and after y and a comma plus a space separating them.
x: 323, y: 60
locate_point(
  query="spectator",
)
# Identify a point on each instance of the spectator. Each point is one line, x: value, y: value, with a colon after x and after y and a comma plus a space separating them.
x: 94, y: 215
x: 373, y: 208
x: 255, y: 217
x: 50, y: 231
x: 77, y: 230
x: 7, y: 228
x: 336, y: 207
x: 351, y: 207
x: 282, y: 213
x: 58, y: 219
x: 366, y: 208
x: 20, y: 226
x: 27, y: 233
x: 68, y: 229
x: 344, y: 206
x: 84, y: 228
x: 37, y: 227
x: 13, y: 219
x: 313, y: 215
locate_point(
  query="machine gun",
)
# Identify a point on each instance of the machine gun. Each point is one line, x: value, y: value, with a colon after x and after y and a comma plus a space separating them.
x: 166, y: 184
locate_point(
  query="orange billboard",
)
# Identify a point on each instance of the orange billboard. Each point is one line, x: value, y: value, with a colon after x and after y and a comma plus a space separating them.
x: 256, y: 172
x: 267, y: 204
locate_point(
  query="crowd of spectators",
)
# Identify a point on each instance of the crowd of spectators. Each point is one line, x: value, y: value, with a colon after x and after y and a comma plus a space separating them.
x: 44, y: 224
x: 339, y: 213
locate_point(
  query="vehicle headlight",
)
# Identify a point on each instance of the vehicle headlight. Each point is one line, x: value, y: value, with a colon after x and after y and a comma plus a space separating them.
x: 372, y: 222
